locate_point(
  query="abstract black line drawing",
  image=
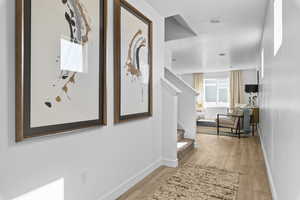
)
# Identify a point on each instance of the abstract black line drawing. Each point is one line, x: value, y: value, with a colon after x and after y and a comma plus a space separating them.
x: 60, y: 66
x: 80, y: 27
x: 133, y: 63
x: 133, y: 58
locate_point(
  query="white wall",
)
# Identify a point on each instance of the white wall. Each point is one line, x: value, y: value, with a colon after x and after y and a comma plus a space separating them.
x: 169, y: 123
x: 93, y: 162
x: 168, y: 58
x: 216, y: 75
x: 279, y: 103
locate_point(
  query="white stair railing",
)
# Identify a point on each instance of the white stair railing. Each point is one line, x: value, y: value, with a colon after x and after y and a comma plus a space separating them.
x: 169, y: 123
x: 186, y: 103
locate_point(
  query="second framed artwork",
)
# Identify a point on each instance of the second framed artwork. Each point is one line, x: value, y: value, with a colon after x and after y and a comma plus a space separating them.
x: 133, y: 63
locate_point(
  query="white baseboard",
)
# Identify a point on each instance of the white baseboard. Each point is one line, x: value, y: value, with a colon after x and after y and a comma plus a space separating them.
x: 270, y: 177
x: 170, y: 163
x: 126, y: 185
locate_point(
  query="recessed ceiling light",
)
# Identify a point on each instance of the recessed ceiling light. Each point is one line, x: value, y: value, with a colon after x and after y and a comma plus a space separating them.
x: 215, y: 21
x: 222, y: 54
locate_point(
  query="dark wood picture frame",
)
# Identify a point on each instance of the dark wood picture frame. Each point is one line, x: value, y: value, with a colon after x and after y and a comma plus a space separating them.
x: 118, y: 118
x: 23, y: 77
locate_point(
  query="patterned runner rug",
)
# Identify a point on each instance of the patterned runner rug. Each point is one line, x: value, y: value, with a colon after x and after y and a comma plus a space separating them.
x: 194, y: 182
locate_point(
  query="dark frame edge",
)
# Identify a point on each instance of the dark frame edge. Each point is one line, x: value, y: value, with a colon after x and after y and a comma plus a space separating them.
x: 117, y: 73
x: 151, y: 70
x: 117, y: 46
x: 104, y: 76
x: 19, y: 96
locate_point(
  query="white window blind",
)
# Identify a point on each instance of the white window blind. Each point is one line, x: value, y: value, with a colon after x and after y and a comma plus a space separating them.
x: 216, y: 92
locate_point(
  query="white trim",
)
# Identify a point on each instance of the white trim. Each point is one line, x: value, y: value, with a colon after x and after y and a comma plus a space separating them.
x: 278, y: 25
x: 172, y: 76
x: 172, y: 89
x: 170, y: 163
x: 126, y: 185
x: 269, y: 172
x: 191, y: 133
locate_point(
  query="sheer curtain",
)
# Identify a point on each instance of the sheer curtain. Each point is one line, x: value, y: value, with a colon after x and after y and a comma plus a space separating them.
x: 236, y: 88
x: 198, y: 85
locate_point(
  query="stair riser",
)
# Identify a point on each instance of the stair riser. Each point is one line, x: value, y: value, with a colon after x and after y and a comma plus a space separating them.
x: 183, y: 153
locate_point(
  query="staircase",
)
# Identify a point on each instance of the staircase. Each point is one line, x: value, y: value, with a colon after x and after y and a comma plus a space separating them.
x: 184, y: 145
x: 178, y: 118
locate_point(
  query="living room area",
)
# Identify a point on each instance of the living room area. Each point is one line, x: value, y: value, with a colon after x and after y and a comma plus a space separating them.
x: 223, y: 94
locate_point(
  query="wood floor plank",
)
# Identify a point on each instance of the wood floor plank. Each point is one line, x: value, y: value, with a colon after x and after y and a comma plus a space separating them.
x: 241, y: 155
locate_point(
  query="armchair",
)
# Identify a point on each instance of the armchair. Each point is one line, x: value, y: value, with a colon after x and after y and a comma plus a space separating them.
x: 232, y: 121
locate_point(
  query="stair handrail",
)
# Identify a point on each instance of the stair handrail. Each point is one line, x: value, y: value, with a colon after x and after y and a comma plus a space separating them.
x: 170, y: 87
x: 169, y: 72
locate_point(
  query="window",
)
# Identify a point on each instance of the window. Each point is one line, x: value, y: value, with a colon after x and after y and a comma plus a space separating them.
x: 216, y: 92
x: 277, y: 25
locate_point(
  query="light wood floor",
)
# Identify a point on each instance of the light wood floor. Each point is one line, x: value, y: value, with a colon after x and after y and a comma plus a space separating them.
x: 244, y: 156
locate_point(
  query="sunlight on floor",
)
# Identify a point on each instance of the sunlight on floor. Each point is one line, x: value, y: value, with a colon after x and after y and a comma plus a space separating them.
x: 52, y: 191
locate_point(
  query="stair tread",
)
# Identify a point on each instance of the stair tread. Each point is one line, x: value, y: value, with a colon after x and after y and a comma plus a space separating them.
x: 188, y: 142
x: 184, y: 148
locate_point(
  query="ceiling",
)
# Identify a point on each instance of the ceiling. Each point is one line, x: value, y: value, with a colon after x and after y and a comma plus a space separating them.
x: 231, y: 27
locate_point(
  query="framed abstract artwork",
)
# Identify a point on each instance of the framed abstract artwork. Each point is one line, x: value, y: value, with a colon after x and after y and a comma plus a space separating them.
x: 60, y: 66
x: 133, y: 63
